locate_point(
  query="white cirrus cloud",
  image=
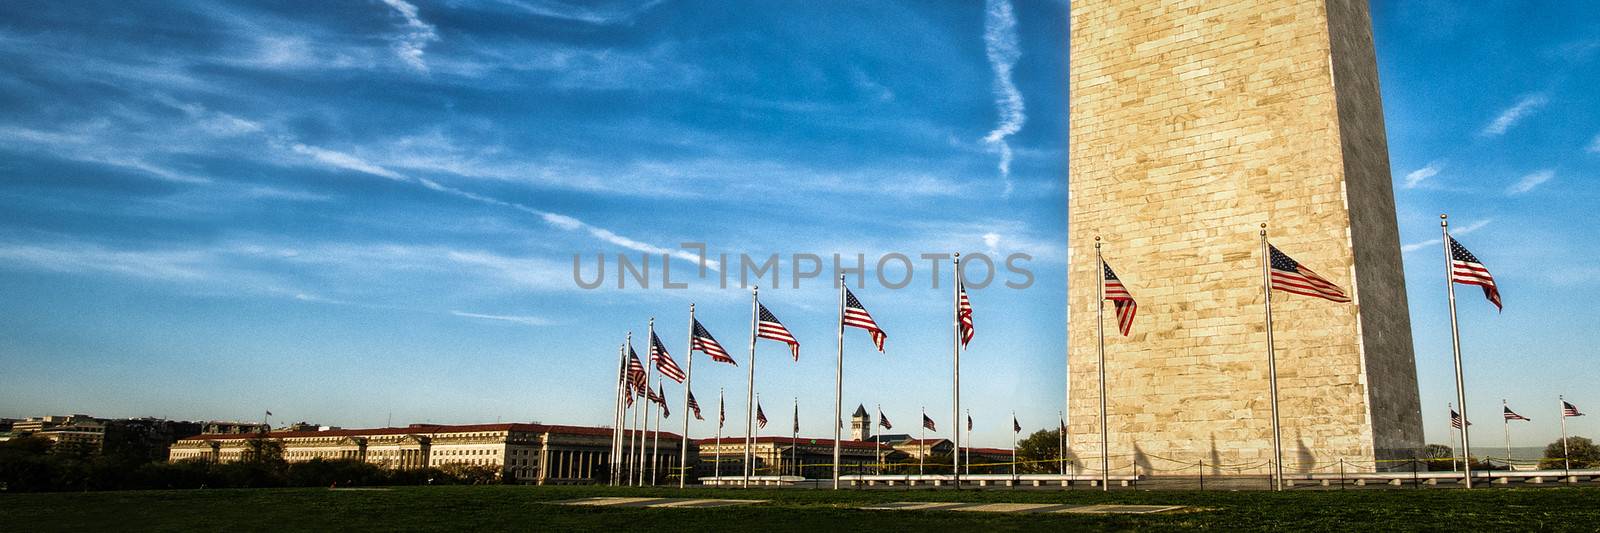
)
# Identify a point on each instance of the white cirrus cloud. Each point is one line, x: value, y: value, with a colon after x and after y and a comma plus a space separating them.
x: 1594, y: 145
x: 1530, y: 181
x: 1508, y: 118
x: 516, y: 319
x: 1416, y: 177
x: 415, y: 35
x: 1003, y: 50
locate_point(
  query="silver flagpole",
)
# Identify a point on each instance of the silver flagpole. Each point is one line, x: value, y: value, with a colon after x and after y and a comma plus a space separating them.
x: 794, y: 436
x: 655, y: 443
x: 636, y: 453
x: 922, y: 441
x: 1100, y: 333
x: 750, y: 390
x: 1061, y: 449
x: 955, y: 383
x: 967, y: 462
x: 1503, y: 407
x: 688, y: 383
x: 644, y: 439
x: 1453, y: 428
x: 1015, y: 435
x: 878, y: 437
x: 1566, y: 455
x: 718, y: 467
x: 1455, y: 345
x: 1272, y: 362
x: 616, y: 417
x: 838, y: 389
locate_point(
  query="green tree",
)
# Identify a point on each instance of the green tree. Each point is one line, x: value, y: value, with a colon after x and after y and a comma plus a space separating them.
x: 1040, y: 452
x: 1582, y: 452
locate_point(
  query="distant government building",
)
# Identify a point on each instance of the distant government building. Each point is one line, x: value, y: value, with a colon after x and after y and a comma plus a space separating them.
x: 548, y: 454
x: 526, y: 453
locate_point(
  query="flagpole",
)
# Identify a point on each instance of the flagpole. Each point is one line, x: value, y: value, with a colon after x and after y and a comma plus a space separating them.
x: 878, y: 437
x: 688, y: 383
x: 750, y: 389
x: 1453, y: 429
x: 838, y: 389
x: 655, y: 446
x: 636, y: 453
x: 1015, y: 434
x: 1566, y: 455
x: 1455, y: 345
x: 955, y: 409
x: 968, y: 463
x: 644, y: 439
x: 1061, y: 447
x: 1272, y: 362
x: 922, y: 441
x: 1507, y: 421
x: 794, y: 435
x: 1100, y: 334
x: 616, y: 416
x: 717, y: 473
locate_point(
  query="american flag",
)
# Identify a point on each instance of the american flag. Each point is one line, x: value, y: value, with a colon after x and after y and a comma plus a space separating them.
x: 663, y: 360
x: 928, y: 423
x: 1567, y: 409
x: 1288, y: 276
x: 1016, y: 427
x: 796, y: 418
x: 708, y: 345
x: 856, y: 316
x: 722, y: 413
x: 635, y: 373
x: 964, y: 312
x: 884, y: 420
x: 768, y: 327
x: 1062, y: 424
x: 1455, y: 419
x: 659, y: 399
x: 1467, y: 270
x: 1121, y: 298
x: 665, y: 413
x: 969, y: 422
x: 761, y: 417
x: 694, y: 406
x: 1512, y: 415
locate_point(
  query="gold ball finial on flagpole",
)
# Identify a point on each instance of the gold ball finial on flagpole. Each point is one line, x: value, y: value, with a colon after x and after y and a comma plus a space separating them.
x: 1263, y: 229
x: 1444, y: 219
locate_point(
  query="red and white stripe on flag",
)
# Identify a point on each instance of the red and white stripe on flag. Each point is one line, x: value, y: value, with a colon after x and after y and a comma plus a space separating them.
x: 706, y: 344
x: 856, y: 316
x: 1467, y: 270
x: 663, y: 360
x: 964, y: 312
x: 1119, y: 296
x: 1289, y: 276
x: 768, y: 327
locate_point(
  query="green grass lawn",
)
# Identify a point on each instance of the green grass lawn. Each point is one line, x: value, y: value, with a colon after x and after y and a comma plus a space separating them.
x: 520, y: 508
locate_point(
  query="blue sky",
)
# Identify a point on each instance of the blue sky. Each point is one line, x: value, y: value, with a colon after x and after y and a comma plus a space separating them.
x: 351, y: 212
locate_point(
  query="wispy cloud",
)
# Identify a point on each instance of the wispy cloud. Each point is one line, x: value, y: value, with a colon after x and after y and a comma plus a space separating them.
x: 1001, y: 44
x: 1416, y: 177
x: 415, y: 36
x: 589, y: 12
x: 1530, y: 181
x: 517, y: 319
x: 1594, y: 145
x: 1460, y: 230
x: 1508, y: 118
x: 342, y: 160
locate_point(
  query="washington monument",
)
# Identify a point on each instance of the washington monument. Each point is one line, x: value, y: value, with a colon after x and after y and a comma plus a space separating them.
x: 1193, y: 123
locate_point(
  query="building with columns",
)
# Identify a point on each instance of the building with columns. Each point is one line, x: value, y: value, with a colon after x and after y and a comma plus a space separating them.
x: 525, y: 453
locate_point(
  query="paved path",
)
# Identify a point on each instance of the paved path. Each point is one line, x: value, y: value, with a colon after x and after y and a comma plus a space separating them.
x: 693, y: 503
x: 1022, y: 507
